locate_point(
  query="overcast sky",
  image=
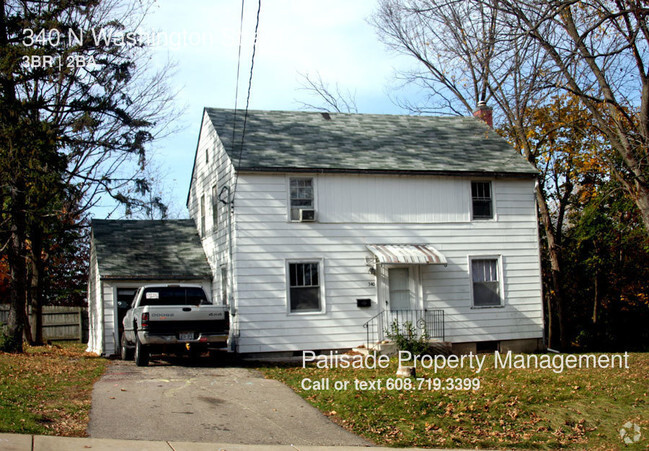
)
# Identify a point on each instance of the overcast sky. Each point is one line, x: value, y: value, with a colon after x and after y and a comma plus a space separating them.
x: 330, y: 37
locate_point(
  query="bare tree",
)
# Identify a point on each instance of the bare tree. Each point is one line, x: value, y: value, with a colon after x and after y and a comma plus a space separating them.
x: 468, y: 54
x: 158, y: 202
x: 455, y: 44
x: 334, y: 98
x: 598, y: 50
x: 78, y: 110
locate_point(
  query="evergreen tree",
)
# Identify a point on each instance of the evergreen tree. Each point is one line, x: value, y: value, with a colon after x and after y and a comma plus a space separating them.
x: 78, y: 108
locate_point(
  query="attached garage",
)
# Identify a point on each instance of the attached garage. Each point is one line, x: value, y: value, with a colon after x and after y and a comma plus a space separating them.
x: 125, y: 255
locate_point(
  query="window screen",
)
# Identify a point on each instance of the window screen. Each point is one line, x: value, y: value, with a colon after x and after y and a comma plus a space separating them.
x: 301, y: 192
x: 481, y: 200
x: 486, y: 284
x: 304, y: 287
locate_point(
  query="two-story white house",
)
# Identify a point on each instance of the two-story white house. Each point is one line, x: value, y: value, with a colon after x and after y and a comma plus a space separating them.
x: 322, y: 229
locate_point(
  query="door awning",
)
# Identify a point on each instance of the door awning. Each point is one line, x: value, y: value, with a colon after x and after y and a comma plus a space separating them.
x: 407, y: 254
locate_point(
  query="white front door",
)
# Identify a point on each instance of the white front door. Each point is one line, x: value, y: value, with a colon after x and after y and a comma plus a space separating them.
x: 400, y: 292
x: 399, y: 288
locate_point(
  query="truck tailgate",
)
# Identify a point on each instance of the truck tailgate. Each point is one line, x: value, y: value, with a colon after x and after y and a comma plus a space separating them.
x: 185, y: 313
x: 205, y: 319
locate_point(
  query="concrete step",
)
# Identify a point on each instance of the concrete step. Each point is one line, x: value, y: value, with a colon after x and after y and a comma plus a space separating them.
x: 386, y: 347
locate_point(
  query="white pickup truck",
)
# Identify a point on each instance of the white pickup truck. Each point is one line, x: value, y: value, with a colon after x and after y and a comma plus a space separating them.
x: 172, y: 318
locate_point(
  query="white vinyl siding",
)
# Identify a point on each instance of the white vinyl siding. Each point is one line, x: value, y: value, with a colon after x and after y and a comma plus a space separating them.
x: 434, y: 210
x: 218, y: 171
x: 109, y: 317
x: 392, y: 199
x: 95, y: 306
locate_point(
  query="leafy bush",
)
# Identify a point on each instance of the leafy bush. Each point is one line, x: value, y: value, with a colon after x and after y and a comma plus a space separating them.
x: 407, y: 338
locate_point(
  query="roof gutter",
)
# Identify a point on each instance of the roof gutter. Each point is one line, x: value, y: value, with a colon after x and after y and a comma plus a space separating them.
x: 154, y: 277
x: 496, y: 174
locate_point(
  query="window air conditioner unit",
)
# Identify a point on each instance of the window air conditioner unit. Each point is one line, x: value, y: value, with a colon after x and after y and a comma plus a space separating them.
x: 307, y: 215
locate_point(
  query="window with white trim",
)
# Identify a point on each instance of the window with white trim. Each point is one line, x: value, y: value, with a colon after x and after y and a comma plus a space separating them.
x: 202, y: 208
x: 224, y: 285
x: 481, y: 200
x: 302, y: 196
x: 215, y: 208
x: 485, y: 276
x: 304, y: 287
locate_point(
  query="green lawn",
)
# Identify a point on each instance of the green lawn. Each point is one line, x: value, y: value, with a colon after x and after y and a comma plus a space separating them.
x: 47, y: 389
x: 513, y: 408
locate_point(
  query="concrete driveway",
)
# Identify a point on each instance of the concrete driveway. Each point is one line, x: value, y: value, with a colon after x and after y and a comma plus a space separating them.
x: 226, y: 404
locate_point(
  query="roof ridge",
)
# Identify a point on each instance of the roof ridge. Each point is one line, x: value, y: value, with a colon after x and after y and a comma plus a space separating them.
x: 287, y: 141
x: 340, y: 113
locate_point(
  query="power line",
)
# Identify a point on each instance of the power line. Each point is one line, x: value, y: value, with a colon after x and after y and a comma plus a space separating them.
x: 245, y: 117
x: 236, y: 89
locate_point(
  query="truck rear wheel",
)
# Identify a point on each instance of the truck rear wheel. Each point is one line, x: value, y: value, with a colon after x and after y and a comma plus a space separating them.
x: 126, y: 353
x: 141, y: 353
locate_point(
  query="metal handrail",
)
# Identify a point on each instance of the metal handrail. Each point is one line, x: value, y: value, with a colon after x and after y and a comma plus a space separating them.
x: 431, y: 322
x: 369, y: 325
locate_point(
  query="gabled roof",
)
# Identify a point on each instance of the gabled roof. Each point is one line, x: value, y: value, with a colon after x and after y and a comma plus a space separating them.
x: 336, y: 142
x: 143, y: 249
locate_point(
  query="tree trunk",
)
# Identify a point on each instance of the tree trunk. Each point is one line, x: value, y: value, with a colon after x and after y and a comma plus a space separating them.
x: 28, y: 328
x: 596, y: 300
x: 641, y: 199
x: 13, y: 340
x: 550, y: 323
x: 555, y: 296
x: 36, y: 285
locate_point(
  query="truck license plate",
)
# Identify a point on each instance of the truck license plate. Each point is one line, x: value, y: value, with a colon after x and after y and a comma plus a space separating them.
x: 186, y: 335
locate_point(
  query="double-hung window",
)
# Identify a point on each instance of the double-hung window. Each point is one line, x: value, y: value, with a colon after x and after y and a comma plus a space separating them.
x: 486, y: 278
x: 481, y: 200
x: 301, y: 196
x: 304, y: 290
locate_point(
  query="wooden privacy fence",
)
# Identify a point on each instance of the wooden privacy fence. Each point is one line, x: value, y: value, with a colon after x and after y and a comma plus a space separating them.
x: 59, y: 323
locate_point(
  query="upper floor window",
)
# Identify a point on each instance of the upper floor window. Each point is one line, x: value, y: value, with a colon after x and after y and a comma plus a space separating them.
x: 481, y: 200
x: 485, y: 275
x: 202, y: 208
x: 302, y: 198
x: 224, y: 285
x: 215, y: 208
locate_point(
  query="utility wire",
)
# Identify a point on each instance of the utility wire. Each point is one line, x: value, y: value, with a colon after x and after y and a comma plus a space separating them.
x: 236, y: 89
x: 245, y: 117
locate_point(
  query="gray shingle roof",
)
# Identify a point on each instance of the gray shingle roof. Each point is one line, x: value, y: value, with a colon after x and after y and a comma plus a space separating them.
x: 286, y: 140
x: 142, y: 249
